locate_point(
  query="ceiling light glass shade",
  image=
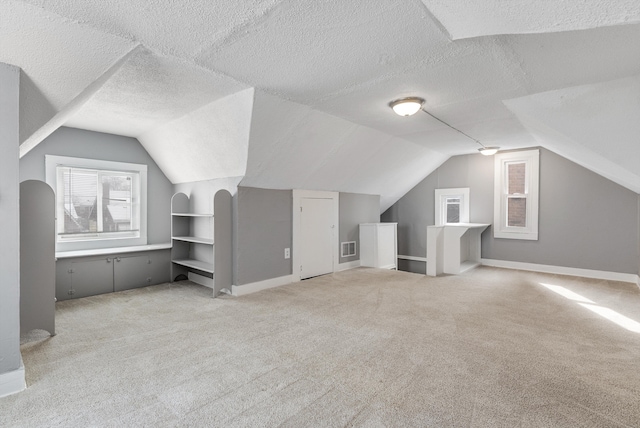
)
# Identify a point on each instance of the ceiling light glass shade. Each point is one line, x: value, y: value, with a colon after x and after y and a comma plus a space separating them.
x: 488, y: 151
x: 406, y: 106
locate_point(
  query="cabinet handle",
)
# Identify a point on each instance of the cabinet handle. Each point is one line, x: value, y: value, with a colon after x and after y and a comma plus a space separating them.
x: 108, y: 260
x: 117, y: 259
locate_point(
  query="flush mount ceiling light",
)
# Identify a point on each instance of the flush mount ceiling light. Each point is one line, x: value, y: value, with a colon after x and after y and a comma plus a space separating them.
x: 488, y: 151
x: 406, y: 106
x: 411, y: 105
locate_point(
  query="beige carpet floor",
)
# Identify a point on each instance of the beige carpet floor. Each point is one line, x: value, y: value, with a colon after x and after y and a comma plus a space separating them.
x: 365, y: 348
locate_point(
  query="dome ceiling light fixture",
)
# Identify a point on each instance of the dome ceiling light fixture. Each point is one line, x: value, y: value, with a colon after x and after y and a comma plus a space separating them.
x: 411, y: 105
x: 407, y: 106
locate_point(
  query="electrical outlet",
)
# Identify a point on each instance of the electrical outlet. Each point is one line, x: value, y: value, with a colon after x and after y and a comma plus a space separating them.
x: 287, y: 253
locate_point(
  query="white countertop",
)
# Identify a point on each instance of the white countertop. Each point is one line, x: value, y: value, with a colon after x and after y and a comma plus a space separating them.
x: 113, y: 250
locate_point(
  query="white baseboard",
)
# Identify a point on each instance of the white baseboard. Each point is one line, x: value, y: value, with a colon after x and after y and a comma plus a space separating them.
x: 561, y: 270
x: 241, y: 290
x: 348, y: 265
x: 13, y: 381
x: 413, y: 258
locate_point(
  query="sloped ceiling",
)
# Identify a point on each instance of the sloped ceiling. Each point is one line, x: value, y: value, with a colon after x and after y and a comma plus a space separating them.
x: 474, y: 18
x: 173, y: 74
x: 208, y: 143
x: 316, y: 151
x: 595, y: 125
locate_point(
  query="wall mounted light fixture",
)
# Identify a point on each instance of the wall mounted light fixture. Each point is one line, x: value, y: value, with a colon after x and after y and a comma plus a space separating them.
x: 411, y: 105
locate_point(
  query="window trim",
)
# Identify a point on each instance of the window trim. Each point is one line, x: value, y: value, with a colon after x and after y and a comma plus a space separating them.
x: 441, y: 196
x: 51, y: 164
x: 531, y: 159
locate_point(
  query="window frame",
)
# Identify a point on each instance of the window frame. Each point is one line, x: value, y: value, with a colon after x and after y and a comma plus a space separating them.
x: 441, y: 196
x: 501, y: 229
x: 108, y: 239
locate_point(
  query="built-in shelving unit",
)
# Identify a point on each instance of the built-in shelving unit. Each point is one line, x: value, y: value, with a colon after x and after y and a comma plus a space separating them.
x: 201, y: 242
x: 192, y: 242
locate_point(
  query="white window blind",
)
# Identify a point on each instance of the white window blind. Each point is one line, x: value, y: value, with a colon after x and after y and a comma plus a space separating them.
x: 95, y: 202
x: 99, y: 204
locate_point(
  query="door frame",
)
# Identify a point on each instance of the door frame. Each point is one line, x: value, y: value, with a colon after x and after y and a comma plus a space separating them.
x: 298, y: 195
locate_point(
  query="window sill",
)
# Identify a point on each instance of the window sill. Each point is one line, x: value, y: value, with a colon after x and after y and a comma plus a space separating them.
x: 112, y: 250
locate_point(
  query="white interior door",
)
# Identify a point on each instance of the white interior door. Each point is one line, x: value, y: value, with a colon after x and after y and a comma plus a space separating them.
x: 317, y: 229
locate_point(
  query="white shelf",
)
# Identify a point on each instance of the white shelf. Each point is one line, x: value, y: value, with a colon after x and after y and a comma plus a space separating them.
x: 453, y: 248
x: 194, y: 239
x: 468, y: 265
x: 195, y: 264
x: 191, y: 215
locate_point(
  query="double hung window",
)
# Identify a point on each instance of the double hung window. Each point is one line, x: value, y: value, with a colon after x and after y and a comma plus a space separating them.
x: 516, y: 195
x: 451, y: 206
x: 99, y: 204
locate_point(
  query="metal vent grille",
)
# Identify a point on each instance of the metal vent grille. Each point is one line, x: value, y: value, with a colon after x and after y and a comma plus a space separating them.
x: 348, y: 249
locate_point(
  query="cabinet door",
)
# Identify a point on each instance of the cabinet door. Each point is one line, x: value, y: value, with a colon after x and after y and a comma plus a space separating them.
x: 63, y: 280
x: 386, y: 247
x: 89, y: 278
x: 160, y: 266
x: 131, y: 272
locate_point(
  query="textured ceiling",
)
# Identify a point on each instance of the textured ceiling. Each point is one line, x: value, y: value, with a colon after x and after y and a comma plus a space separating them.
x: 475, y: 18
x: 316, y: 151
x: 595, y: 125
x: 177, y: 75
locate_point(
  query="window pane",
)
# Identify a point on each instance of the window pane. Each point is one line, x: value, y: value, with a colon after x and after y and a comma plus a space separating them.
x: 516, y: 177
x: 453, y: 213
x: 116, y: 202
x: 517, y: 212
x: 80, y: 189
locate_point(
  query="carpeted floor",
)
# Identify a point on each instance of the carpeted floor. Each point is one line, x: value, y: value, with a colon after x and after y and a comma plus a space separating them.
x: 366, y: 348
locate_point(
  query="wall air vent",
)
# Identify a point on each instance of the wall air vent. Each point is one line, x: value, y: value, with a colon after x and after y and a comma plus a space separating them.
x: 348, y: 249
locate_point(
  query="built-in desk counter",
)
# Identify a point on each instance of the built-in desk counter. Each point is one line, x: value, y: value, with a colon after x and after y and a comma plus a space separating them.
x: 453, y: 248
x: 113, y: 250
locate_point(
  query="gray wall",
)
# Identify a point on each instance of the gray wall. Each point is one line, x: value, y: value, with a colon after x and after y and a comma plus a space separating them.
x: 96, y: 145
x: 585, y: 220
x: 264, y: 229
x: 9, y: 220
x: 355, y: 209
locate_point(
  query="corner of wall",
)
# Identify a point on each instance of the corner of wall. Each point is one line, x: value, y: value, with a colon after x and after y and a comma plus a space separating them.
x: 13, y: 382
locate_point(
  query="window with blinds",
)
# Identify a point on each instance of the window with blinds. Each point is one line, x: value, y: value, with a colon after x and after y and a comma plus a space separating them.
x: 94, y: 203
x: 99, y: 204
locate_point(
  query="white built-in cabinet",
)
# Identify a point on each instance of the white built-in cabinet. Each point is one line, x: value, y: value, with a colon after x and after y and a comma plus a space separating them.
x: 379, y: 245
x: 195, y: 252
x: 453, y: 248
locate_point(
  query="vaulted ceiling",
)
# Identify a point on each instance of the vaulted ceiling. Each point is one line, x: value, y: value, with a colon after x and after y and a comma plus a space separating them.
x: 294, y: 94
